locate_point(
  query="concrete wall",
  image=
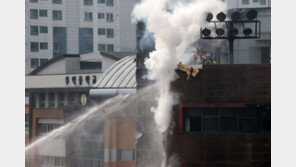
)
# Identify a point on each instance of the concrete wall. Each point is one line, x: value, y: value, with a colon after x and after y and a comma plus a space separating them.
x: 73, y: 19
x: 251, y: 4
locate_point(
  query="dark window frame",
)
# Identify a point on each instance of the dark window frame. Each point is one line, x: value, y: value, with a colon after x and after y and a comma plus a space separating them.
x: 37, y: 47
x: 55, y: 15
x: 102, y: 32
x: 245, y: 2
x: 43, y: 28
x: 241, y: 112
x: 36, y: 14
x: 34, y: 66
x: 88, y: 2
x: 57, y: 1
x: 42, y: 44
x: 31, y: 32
x: 43, y: 13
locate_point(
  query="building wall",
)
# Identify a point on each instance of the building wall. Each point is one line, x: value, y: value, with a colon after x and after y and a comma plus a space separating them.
x: 73, y: 19
x: 228, y: 86
x: 248, y: 51
x: 119, y: 137
x: 248, y: 4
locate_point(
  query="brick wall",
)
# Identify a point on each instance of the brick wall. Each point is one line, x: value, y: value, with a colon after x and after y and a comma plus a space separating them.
x: 222, y: 84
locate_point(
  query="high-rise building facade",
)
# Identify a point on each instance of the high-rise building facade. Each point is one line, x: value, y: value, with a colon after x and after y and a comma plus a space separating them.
x: 55, y: 27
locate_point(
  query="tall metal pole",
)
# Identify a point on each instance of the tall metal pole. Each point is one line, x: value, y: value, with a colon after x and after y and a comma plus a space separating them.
x: 230, y: 43
x: 230, y: 47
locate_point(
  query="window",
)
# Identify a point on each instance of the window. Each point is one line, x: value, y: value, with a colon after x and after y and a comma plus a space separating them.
x: 71, y: 98
x: 57, y: 15
x: 33, y: 13
x: 34, y: 47
x: 88, y: 16
x: 41, y: 100
x: 126, y: 155
x: 109, y: 17
x: 61, y: 99
x: 45, y: 128
x: 43, y: 45
x: 101, y: 15
x: 26, y: 120
x: 110, y: 33
x: 109, y: 2
x: 88, y: 32
x: 88, y: 2
x: 57, y: 48
x: 34, y: 63
x: 57, y: 31
x: 101, y: 31
x: 88, y: 47
x: 225, y: 120
x: 51, y: 100
x: 43, y: 13
x: 84, y: 65
x: 262, y: 2
x: 247, y: 124
x: 101, y: 1
x: 33, y: 0
x: 210, y: 124
x: 33, y: 30
x: 57, y: 1
x: 110, y: 47
x: 101, y: 47
x: 43, y: 61
x: 245, y: 1
x: 43, y: 29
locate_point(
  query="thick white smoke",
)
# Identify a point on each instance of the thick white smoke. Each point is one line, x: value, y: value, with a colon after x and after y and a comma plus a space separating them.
x: 176, y: 25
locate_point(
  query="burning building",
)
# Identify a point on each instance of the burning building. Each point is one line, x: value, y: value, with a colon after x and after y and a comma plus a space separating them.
x: 222, y: 118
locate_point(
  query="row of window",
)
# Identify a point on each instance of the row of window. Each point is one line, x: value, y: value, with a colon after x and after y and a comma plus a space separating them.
x: 91, y: 163
x: 262, y: 2
x: 53, y: 1
x: 86, y: 2
x: 35, y: 62
x: 52, y: 161
x: 57, y: 31
x: 108, y: 2
x: 34, y: 30
x: 35, y: 46
x: 45, y: 128
x: 109, y: 34
x: 243, y: 120
x: 56, y: 14
x: 51, y: 99
x: 88, y: 47
x: 88, y: 16
x: 57, y: 47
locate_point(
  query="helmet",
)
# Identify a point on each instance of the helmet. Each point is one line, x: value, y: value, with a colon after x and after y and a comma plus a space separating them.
x: 204, y: 57
x: 208, y: 55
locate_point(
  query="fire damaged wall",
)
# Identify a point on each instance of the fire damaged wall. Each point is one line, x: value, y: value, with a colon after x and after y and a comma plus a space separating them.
x: 247, y: 86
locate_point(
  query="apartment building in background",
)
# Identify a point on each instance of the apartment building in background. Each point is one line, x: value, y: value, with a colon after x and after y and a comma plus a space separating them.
x: 253, y: 51
x: 57, y: 27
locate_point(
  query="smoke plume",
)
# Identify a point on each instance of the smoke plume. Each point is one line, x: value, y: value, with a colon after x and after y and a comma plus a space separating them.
x: 176, y: 26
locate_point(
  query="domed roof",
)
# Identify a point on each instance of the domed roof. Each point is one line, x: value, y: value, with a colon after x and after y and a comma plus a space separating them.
x: 122, y: 74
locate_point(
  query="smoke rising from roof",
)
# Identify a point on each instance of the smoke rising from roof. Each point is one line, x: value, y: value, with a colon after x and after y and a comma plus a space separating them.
x: 176, y: 26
